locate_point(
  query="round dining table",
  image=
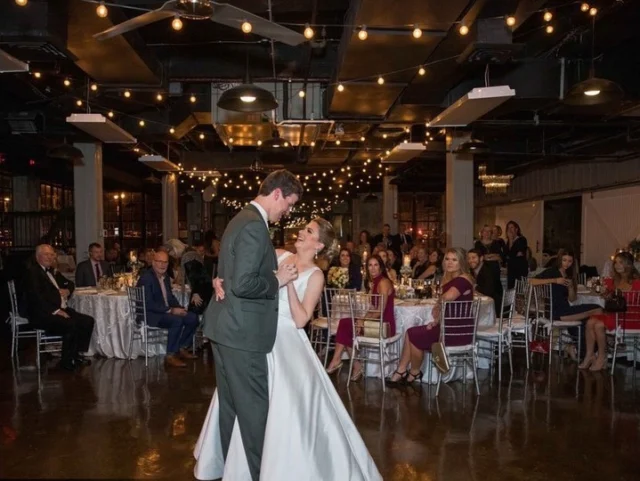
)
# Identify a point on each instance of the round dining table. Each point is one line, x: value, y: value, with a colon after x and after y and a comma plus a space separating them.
x: 113, y: 328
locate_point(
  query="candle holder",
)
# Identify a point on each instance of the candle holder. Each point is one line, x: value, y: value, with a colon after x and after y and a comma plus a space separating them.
x: 405, y: 272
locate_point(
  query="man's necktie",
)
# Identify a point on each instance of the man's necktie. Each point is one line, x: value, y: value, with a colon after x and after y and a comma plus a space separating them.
x: 98, y: 272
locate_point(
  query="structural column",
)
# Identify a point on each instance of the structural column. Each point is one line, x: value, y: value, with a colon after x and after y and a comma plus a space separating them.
x: 169, y: 207
x: 459, y: 194
x: 390, y: 203
x: 88, y: 198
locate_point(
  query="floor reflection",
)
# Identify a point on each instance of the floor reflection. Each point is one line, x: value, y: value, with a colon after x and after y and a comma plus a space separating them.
x: 116, y: 419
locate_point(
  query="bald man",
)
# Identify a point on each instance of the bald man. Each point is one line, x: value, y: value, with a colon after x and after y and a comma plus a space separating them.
x: 164, y: 311
x: 47, y: 295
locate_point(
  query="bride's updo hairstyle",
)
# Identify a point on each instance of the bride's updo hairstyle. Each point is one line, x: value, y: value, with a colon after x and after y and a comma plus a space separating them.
x: 327, y: 236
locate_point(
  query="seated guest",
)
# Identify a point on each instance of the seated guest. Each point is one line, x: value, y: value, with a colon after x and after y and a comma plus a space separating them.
x: 391, y: 272
x: 47, y: 294
x: 395, y: 262
x: 626, y: 278
x: 376, y: 282
x: 164, y: 311
x: 355, y: 276
x: 486, y: 281
x: 548, y: 258
x: 198, y: 278
x: 429, y: 266
x: 457, y: 285
x: 564, y: 283
x: 89, y: 272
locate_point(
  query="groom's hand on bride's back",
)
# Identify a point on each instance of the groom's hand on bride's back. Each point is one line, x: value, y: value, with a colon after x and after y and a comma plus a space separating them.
x: 286, y: 273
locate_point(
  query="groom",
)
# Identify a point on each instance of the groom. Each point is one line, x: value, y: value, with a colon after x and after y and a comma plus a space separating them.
x: 243, y: 325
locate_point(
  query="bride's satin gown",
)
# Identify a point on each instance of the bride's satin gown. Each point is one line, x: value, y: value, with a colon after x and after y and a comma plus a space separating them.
x: 309, y: 434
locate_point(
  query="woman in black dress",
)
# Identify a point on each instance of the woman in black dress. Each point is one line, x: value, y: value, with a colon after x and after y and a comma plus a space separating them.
x: 516, y: 254
x: 491, y: 248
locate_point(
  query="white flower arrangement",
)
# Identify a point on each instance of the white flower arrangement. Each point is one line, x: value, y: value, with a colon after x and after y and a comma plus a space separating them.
x: 338, y: 277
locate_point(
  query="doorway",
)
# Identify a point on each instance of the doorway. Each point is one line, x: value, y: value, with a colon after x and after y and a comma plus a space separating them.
x: 562, y: 225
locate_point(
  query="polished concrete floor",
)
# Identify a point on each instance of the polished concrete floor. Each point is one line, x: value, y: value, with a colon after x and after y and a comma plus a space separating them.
x: 118, y: 420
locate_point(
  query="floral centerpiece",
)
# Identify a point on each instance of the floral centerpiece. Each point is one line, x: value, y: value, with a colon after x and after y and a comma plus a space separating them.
x: 338, y: 277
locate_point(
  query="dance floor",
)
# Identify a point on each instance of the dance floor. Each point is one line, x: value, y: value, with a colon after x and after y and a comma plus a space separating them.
x: 118, y: 420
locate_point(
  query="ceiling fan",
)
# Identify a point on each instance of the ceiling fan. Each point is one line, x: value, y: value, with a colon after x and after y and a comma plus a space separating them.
x: 207, y: 10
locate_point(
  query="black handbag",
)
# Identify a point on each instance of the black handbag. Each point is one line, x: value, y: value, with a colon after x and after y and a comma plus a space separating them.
x: 616, y: 302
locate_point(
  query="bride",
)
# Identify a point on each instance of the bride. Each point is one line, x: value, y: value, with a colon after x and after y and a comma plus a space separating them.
x: 309, y: 434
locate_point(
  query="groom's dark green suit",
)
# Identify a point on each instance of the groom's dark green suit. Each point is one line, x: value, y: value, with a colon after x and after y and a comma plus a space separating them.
x: 243, y: 330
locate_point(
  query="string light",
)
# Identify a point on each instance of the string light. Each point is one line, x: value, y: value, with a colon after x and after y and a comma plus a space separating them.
x: 362, y: 33
x: 172, y: 130
x: 127, y: 94
x: 141, y: 123
x: 380, y: 80
x: 21, y: 3
x: 246, y: 27
x: 549, y: 29
x: 340, y: 88
x: 417, y: 33
x: 338, y: 142
x: 159, y: 98
x: 110, y: 114
x: 584, y: 7
x: 308, y: 32
x: 547, y: 16
x: 176, y: 24
x: 102, y: 11
x: 463, y: 30
x: 79, y: 103
x: 362, y: 139
x: 37, y: 74
x: 511, y: 20
x: 201, y: 136
x: 94, y: 87
x: 67, y: 82
x: 192, y: 99
x: 593, y: 11
x: 301, y: 94
x: 421, y: 71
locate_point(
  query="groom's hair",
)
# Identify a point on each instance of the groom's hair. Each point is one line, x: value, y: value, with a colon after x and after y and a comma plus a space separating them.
x: 281, y: 179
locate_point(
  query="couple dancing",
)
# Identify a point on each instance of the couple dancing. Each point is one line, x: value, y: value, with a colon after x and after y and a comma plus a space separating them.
x: 275, y: 415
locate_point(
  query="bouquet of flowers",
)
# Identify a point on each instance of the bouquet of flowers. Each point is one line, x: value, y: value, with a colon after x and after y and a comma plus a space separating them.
x: 338, y: 277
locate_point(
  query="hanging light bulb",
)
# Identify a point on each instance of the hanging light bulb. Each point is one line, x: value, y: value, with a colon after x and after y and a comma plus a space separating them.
x: 159, y: 97
x: 308, y: 32
x: 192, y: 99
x: 362, y: 139
x: 547, y: 16
x: 201, y: 136
x: 67, y: 82
x: 338, y: 142
x: 380, y: 80
x: 110, y: 114
x: 79, y: 103
x: 421, y: 71
x: 37, y: 74
x: 363, y: 34
x: 584, y: 7
x: 593, y: 11
x: 417, y: 33
x: 246, y: 27
x: 94, y: 87
x: 172, y: 130
x: 127, y: 94
x: 463, y: 30
x: 21, y: 3
x: 102, y: 11
x: 340, y: 88
x: 511, y: 20
x: 549, y: 29
x: 176, y: 24
x: 301, y: 94
x: 141, y: 123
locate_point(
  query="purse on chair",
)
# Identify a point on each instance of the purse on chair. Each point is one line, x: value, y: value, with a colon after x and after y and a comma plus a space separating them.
x: 616, y: 302
x: 439, y: 356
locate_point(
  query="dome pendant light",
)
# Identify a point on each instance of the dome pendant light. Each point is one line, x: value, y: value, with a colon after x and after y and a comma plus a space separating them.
x: 247, y: 97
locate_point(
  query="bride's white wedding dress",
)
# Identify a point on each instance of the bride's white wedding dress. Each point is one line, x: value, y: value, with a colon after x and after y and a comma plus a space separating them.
x: 309, y: 434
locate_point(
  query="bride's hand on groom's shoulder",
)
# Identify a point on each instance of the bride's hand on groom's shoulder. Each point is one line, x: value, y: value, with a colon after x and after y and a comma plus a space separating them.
x: 217, y: 287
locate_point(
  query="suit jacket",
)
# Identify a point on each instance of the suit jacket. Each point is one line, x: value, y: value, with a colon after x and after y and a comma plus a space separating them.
x: 85, y: 273
x: 153, y: 297
x: 43, y: 298
x: 247, y: 318
x: 488, y: 284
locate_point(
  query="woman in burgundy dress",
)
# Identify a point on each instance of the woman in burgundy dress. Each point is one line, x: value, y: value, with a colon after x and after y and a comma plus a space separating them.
x: 457, y: 286
x: 376, y: 282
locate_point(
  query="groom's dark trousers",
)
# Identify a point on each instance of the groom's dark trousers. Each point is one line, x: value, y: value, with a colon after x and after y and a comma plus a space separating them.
x: 243, y: 330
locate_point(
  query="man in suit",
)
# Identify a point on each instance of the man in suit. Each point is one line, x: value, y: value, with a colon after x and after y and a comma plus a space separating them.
x: 405, y: 240
x: 243, y: 325
x: 164, y: 311
x: 47, y: 293
x: 356, y: 260
x: 389, y: 241
x: 89, y: 272
x: 486, y: 281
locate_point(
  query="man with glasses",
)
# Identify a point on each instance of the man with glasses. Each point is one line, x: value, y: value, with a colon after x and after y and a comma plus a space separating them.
x: 164, y: 311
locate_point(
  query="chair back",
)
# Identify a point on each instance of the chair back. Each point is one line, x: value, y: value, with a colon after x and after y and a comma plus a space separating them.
x: 137, y: 306
x: 13, y: 298
x: 582, y: 278
x: 459, y: 322
x: 522, y: 297
x: 633, y: 309
x: 507, y: 307
x: 543, y: 301
x: 367, y: 312
x: 335, y: 304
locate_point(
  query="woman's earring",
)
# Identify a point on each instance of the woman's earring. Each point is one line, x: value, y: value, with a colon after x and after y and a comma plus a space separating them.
x: 316, y: 253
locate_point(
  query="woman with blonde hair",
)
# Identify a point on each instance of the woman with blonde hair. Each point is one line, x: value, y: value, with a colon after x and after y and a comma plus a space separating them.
x: 457, y: 285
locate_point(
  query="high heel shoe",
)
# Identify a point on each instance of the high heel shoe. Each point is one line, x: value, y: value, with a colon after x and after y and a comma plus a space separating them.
x: 587, y: 362
x: 358, y: 375
x: 599, y: 366
x: 334, y: 368
x: 571, y: 352
x: 416, y: 377
x: 397, y: 382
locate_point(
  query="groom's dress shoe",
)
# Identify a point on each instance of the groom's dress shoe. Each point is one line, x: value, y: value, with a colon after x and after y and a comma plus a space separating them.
x: 173, y: 361
x: 185, y: 354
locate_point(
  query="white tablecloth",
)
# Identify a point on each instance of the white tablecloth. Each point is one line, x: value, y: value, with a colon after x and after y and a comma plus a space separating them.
x: 589, y: 298
x: 416, y: 313
x: 112, y: 331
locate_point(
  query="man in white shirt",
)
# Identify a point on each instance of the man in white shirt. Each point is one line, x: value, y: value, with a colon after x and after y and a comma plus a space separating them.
x: 47, y: 295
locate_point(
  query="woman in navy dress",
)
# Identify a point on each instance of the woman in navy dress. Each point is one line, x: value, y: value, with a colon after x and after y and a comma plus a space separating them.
x: 516, y: 254
x: 457, y: 286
